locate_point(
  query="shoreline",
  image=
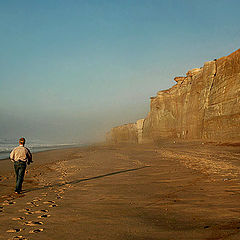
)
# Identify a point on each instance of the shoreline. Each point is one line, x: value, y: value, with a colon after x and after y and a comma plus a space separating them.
x: 41, y: 157
x: 166, y: 191
x: 43, y: 149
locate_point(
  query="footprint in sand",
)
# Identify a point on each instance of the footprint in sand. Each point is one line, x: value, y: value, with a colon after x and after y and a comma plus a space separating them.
x: 36, y: 230
x: 33, y: 203
x: 26, y: 211
x: 18, y: 237
x: 53, y: 205
x: 18, y: 218
x: 14, y: 230
x: 37, y: 199
x: 33, y: 223
x: 7, y: 203
x: 60, y: 192
x: 41, y: 211
x: 49, y: 202
x: 44, y: 216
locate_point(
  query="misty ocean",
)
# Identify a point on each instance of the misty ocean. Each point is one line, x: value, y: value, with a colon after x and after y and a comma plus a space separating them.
x: 6, y: 146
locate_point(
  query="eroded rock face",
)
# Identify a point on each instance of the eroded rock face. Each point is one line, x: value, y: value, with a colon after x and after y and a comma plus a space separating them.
x: 139, y: 125
x: 205, y: 104
x: 176, y: 112
x: 221, y: 121
x: 202, y: 105
x: 132, y: 132
x: 124, y: 133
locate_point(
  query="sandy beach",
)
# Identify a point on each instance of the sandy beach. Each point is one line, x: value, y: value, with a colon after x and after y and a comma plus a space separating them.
x: 166, y: 191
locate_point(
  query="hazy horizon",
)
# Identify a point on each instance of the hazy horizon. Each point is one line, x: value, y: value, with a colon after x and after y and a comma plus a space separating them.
x: 71, y: 70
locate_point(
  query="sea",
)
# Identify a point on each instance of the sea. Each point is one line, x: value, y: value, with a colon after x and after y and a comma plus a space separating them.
x: 6, y: 146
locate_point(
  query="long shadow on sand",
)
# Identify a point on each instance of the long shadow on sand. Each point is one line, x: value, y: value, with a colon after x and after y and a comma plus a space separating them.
x: 82, y: 180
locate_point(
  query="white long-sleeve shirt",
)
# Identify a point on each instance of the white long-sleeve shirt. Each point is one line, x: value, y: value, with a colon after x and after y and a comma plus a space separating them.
x: 21, y: 153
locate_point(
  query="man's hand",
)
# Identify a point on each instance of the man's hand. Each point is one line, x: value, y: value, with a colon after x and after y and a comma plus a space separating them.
x: 29, y: 161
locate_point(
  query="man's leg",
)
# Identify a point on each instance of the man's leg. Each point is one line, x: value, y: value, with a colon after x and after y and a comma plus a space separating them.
x: 21, y: 172
x: 17, y: 168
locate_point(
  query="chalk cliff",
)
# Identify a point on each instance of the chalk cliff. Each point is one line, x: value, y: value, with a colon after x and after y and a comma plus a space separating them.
x: 204, y: 104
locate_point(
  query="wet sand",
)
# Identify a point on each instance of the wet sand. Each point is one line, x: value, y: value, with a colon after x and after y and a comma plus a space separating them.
x: 166, y: 191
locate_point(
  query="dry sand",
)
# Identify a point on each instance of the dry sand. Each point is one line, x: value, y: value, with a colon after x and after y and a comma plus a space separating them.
x: 170, y: 191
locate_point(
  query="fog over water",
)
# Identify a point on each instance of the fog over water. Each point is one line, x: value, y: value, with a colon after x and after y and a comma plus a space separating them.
x: 71, y: 70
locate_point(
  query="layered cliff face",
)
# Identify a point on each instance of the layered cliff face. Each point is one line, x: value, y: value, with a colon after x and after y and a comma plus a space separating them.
x: 179, y: 111
x: 205, y: 104
x: 132, y: 132
x: 124, y: 133
x: 221, y: 121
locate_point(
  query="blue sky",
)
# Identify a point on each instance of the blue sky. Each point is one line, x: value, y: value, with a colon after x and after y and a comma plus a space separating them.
x: 71, y: 70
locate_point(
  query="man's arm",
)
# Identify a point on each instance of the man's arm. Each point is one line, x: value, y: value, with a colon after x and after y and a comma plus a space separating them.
x: 12, y: 155
x: 29, y: 156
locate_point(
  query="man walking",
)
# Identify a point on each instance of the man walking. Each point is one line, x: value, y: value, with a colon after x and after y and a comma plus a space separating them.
x: 21, y: 156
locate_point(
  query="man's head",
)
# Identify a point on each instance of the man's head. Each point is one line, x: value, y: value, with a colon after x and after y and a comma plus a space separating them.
x: 22, y: 141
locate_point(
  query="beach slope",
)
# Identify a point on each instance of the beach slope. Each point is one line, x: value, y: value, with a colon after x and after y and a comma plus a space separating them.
x: 165, y: 191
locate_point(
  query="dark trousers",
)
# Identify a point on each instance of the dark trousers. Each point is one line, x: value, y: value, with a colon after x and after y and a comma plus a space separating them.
x: 20, y: 168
